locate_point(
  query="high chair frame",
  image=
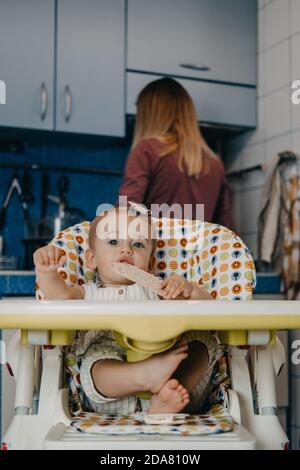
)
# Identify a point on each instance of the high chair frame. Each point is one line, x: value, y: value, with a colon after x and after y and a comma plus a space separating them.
x: 47, y: 426
x: 42, y: 416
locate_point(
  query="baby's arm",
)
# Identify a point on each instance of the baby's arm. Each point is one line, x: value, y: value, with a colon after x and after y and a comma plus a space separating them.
x: 47, y: 259
x: 176, y: 287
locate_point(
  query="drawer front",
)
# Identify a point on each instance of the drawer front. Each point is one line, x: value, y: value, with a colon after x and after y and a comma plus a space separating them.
x: 215, y: 103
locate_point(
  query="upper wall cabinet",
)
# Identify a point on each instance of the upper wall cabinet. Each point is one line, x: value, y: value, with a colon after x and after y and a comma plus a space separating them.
x: 64, y: 63
x: 79, y: 52
x: 201, y: 39
x: 27, y: 62
x: 91, y: 66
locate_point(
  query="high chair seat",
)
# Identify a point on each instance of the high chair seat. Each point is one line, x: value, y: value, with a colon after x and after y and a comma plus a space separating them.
x: 207, y: 254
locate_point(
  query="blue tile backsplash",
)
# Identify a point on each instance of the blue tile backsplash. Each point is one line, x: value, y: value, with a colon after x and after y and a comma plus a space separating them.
x: 14, y: 285
x: 86, y: 191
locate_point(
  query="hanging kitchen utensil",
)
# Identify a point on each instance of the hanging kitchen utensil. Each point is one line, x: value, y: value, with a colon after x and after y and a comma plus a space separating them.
x: 43, y: 228
x: 13, y: 185
x: 26, y: 187
x: 63, y: 186
x: 45, y: 186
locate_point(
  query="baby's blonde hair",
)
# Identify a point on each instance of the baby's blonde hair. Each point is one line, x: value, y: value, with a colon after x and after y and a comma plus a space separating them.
x: 93, y: 227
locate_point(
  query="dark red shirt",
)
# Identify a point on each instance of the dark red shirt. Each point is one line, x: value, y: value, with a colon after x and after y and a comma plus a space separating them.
x: 151, y: 179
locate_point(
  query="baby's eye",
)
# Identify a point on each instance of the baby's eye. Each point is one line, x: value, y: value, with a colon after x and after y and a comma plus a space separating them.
x: 138, y: 245
x: 113, y: 242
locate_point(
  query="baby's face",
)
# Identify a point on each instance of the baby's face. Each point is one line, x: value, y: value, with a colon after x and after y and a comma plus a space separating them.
x: 125, y: 239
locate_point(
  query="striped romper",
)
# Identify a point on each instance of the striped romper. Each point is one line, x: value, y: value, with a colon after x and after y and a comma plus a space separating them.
x: 97, y: 345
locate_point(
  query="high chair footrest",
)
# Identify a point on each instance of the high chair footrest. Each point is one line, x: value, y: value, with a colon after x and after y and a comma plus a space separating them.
x: 64, y: 437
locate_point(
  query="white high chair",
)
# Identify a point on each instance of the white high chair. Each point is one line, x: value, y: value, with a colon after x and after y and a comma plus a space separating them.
x: 224, y: 266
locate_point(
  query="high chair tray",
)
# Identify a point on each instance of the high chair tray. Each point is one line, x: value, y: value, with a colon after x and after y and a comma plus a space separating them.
x: 65, y: 437
x: 162, y: 317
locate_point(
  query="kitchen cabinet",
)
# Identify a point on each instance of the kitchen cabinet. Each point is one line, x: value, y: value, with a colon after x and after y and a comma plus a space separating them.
x: 218, y: 104
x: 209, y: 46
x: 27, y: 63
x: 63, y: 63
x: 200, y: 39
x: 91, y: 67
x: 65, y: 66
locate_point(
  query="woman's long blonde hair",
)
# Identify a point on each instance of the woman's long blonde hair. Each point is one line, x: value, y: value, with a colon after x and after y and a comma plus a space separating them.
x: 165, y: 111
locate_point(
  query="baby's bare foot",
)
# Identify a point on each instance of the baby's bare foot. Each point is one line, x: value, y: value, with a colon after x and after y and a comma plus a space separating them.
x: 159, y: 368
x: 172, y: 398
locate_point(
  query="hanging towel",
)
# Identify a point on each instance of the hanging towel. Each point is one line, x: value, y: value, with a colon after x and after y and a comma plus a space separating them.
x: 273, y: 215
x: 291, y: 246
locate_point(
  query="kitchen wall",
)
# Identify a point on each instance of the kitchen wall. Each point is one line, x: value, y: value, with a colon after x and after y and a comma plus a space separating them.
x: 278, y: 119
x: 278, y: 129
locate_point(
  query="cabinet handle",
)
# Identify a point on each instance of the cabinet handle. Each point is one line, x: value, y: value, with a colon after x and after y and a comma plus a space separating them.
x: 44, y: 101
x: 68, y: 107
x: 201, y: 68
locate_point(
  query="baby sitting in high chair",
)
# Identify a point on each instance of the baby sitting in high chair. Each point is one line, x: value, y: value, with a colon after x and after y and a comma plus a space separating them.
x: 178, y: 378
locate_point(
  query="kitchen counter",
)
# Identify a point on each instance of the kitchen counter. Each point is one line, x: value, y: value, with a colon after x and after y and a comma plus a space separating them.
x: 16, y: 282
x: 16, y: 272
x: 268, y: 283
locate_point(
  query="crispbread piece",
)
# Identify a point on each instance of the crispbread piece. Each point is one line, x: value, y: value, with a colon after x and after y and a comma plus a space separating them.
x: 138, y: 275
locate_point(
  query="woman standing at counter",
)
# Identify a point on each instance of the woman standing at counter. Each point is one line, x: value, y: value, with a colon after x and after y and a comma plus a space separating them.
x: 170, y: 162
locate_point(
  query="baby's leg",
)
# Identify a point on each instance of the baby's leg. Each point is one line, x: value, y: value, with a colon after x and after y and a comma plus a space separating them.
x: 113, y: 378
x: 175, y: 396
x: 192, y: 369
x: 194, y: 372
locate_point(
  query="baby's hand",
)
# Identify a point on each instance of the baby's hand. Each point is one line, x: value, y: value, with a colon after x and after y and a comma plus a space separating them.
x: 175, y: 287
x: 48, y: 258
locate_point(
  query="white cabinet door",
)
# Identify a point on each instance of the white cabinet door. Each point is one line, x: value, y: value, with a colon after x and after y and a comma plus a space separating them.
x: 204, y: 39
x: 27, y: 62
x: 91, y: 67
